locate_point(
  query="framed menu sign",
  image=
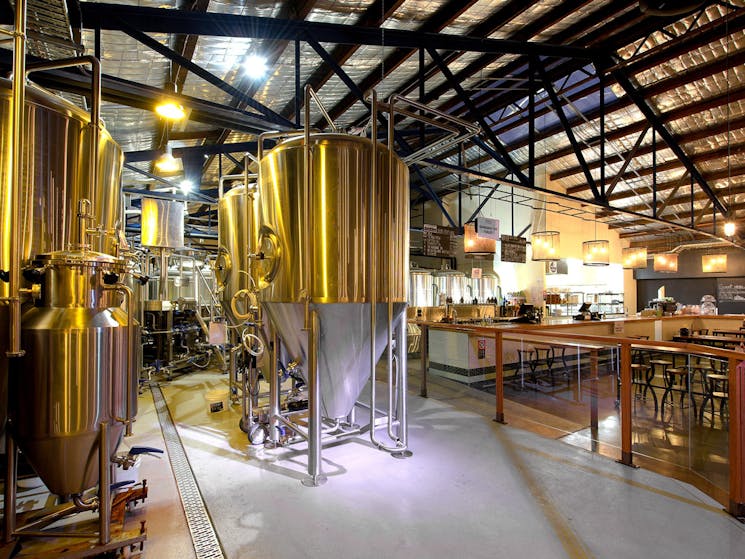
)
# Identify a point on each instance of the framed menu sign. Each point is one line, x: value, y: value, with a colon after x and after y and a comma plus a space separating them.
x: 513, y: 248
x: 731, y: 290
x: 438, y: 241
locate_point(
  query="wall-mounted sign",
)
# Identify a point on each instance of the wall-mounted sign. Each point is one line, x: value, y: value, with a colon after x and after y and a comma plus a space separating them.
x: 476, y: 273
x: 487, y: 227
x: 513, y: 248
x: 438, y: 241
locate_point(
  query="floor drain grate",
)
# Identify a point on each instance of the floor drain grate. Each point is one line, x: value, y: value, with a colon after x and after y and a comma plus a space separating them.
x: 206, y: 544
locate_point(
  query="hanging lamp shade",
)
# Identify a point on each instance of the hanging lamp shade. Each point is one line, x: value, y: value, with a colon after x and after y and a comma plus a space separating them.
x: 666, y: 262
x: 474, y: 245
x: 714, y: 263
x: 634, y: 258
x: 596, y: 253
x: 545, y: 245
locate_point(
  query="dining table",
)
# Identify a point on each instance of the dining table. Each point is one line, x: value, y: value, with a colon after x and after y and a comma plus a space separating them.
x: 726, y: 342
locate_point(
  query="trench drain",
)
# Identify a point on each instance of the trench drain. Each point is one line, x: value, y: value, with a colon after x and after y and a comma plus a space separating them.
x: 206, y: 543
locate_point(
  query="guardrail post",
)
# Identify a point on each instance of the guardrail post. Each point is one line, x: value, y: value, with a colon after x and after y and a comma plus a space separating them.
x: 736, y: 438
x: 499, y: 378
x: 625, y: 372
x: 424, y: 355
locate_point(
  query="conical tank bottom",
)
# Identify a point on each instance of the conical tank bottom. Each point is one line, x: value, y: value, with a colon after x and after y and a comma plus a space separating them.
x: 62, y: 389
x: 343, y: 349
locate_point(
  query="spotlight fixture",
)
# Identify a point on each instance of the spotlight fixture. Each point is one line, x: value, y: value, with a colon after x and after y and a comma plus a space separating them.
x: 255, y: 66
x: 186, y: 186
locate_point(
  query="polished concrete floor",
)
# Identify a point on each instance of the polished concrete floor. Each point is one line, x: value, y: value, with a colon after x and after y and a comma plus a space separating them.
x: 473, y: 488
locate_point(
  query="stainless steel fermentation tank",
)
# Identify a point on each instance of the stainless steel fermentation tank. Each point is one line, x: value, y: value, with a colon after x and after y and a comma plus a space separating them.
x: 420, y: 288
x: 452, y: 284
x: 56, y: 177
x: 486, y: 287
x: 236, y: 226
x: 78, y: 369
x: 316, y: 244
x: 73, y: 375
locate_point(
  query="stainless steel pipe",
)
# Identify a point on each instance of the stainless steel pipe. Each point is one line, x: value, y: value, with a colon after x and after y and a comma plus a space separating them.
x: 128, y: 299
x: 14, y: 228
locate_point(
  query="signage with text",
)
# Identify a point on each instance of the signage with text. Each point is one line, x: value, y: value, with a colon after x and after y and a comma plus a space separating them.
x: 513, y: 248
x: 438, y: 241
x: 487, y: 227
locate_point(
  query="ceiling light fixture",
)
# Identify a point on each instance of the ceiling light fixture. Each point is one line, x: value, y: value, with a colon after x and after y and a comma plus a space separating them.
x: 170, y: 110
x: 714, y: 263
x: 186, y: 186
x: 666, y: 262
x: 729, y: 228
x: 597, y: 252
x: 634, y: 258
x: 545, y: 245
x: 167, y: 163
x: 255, y: 66
x: 473, y: 244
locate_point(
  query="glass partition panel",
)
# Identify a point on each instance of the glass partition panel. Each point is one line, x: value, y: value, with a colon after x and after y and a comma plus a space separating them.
x: 564, y: 389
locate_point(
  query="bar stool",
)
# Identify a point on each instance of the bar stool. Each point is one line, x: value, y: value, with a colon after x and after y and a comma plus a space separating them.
x: 526, y: 358
x: 676, y: 380
x: 661, y: 365
x: 560, y: 352
x: 717, y: 388
x: 641, y: 379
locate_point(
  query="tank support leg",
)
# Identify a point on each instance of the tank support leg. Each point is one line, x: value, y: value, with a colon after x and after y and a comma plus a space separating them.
x: 274, y: 390
x: 315, y: 477
x: 11, y: 475
x: 104, y: 486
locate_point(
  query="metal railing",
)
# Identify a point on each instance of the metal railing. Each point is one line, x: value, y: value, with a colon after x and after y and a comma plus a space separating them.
x: 596, y: 378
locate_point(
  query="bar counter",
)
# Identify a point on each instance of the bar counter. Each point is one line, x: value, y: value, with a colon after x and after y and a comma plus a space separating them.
x: 468, y: 357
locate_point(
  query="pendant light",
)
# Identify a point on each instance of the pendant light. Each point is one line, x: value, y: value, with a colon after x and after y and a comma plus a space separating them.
x: 544, y: 244
x: 634, y: 258
x: 666, y: 262
x: 714, y: 263
x: 597, y: 252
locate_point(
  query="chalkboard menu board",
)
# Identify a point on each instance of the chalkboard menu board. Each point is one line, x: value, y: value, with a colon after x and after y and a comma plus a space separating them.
x: 513, y: 248
x: 731, y: 290
x: 438, y: 241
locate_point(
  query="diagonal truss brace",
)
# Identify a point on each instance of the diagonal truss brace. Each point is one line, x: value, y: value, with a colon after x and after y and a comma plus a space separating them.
x: 659, y: 126
x: 207, y: 76
x: 568, y: 129
x: 504, y: 156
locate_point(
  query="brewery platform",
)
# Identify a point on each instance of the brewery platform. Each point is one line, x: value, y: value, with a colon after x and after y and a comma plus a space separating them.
x: 473, y: 488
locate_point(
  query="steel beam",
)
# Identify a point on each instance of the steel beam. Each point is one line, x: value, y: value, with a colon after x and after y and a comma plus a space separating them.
x: 205, y: 75
x: 133, y: 94
x: 160, y: 20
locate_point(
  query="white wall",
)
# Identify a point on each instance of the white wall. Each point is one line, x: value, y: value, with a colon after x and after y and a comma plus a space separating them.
x: 530, y: 277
